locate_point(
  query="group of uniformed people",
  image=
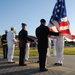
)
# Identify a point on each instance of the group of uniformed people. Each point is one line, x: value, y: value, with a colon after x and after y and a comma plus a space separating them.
x: 8, y: 42
x: 42, y: 33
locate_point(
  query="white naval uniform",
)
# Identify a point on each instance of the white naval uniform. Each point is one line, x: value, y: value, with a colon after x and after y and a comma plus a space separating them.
x: 27, y: 51
x: 60, y: 48
x: 54, y: 47
x: 11, y: 45
x: 49, y: 47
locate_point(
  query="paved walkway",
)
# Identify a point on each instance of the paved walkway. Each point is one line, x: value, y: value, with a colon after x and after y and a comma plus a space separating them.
x: 68, y: 67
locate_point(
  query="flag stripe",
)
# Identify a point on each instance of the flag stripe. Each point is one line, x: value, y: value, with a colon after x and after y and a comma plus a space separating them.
x: 64, y: 23
x: 67, y: 31
x: 64, y: 28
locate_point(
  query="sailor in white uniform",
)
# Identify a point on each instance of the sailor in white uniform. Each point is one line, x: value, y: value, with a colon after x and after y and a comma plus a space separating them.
x: 11, y: 45
x: 54, y: 47
x: 49, y: 47
x: 59, y: 50
x: 27, y: 51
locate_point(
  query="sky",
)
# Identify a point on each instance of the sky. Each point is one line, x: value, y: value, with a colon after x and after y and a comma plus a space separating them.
x: 15, y: 12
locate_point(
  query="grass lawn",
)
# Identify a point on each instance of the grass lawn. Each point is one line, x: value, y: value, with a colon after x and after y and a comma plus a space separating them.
x: 34, y: 52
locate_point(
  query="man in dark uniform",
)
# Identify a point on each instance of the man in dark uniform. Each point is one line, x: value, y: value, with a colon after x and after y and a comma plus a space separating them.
x: 4, y: 43
x: 23, y: 37
x: 42, y: 33
x: 22, y: 44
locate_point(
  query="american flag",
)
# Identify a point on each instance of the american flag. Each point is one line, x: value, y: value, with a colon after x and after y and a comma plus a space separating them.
x: 59, y: 21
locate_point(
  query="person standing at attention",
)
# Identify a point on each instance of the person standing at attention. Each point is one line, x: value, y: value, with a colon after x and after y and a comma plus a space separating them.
x: 11, y: 45
x: 4, y: 43
x: 59, y: 50
x: 23, y: 35
x: 42, y: 33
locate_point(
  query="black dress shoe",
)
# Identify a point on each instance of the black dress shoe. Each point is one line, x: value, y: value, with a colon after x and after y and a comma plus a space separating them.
x: 58, y: 64
x: 22, y: 64
x: 61, y: 64
x: 12, y: 62
x: 43, y: 70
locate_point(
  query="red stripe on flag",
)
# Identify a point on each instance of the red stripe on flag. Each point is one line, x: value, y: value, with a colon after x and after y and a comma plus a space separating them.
x: 64, y: 23
x: 73, y: 36
x: 65, y: 31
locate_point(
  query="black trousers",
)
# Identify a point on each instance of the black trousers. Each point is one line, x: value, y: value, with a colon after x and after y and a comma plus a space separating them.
x: 5, y: 51
x: 42, y: 57
x: 22, y: 55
